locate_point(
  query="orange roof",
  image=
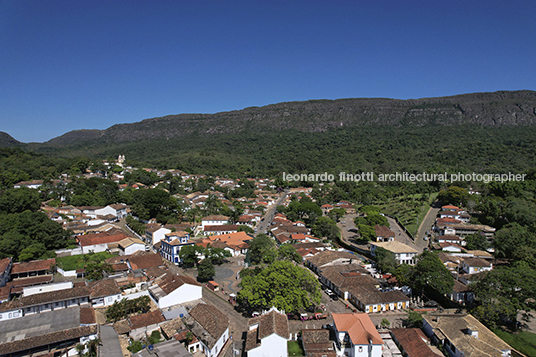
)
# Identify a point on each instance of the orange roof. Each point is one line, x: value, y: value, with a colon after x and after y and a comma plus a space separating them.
x: 359, y: 327
x: 450, y: 207
x: 234, y: 238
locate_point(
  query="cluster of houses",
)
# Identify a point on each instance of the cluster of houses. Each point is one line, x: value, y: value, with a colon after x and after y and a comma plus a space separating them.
x: 191, y: 325
x: 452, y: 228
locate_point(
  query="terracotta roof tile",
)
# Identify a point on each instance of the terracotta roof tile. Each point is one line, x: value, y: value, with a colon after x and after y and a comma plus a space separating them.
x: 100, y: 238
x: 147, y: 319
x: 105, y: 287
x: 359, y: 327
x: 211, y: 319
x: 46, y: 339
x: 4, y: 264
x: 87, y: 315
x: 34, y: 265
x: 144, y: 260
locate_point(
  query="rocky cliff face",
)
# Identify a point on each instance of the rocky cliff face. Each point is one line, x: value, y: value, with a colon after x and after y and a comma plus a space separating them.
x: 487, y: 109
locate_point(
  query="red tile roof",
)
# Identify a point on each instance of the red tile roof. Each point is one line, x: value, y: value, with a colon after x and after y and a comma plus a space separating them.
x: 87, y: 315
x: 147, y: 319
x: 412, y: 342
x: 4, y: 264
x: 359, y: 327
x: 100, y: 238
x: 144, y: 260
x: 34, y: 265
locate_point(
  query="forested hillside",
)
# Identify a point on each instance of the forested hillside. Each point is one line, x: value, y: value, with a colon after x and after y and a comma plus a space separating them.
x: 430, y: 148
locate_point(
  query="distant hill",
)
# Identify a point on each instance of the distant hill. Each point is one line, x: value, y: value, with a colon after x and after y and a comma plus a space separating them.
x: 7, y: 140
x: 505, y: 108
x: 480, y: 132
x: 75, y: 136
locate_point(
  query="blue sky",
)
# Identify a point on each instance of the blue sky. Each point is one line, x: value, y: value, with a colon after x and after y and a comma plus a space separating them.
x: 90, y: 64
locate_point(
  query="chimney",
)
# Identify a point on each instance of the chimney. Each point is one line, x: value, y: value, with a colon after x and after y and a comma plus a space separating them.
x: 472, y: 331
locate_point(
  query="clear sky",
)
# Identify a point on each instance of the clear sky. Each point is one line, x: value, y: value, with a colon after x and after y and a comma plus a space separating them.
x: 90, y: 64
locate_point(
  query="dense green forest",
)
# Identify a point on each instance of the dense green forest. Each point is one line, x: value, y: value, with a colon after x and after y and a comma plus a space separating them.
x: 381, y: 148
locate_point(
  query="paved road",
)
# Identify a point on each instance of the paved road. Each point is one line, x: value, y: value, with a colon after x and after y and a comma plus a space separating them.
x: 401, y: 236
x: 109, y: 342
x: 262, y: 227
x: 349, y: 234
x: 426, y: 225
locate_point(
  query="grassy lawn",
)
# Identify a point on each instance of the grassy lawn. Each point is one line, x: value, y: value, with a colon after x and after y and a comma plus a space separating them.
x: 409, y: 209
x: 74, y: 262
x: 294, y: 348
x: 524, y: 342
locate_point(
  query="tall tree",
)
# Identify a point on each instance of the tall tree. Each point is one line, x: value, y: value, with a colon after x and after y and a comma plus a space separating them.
x: 283, y: 285
x: 431, y: 273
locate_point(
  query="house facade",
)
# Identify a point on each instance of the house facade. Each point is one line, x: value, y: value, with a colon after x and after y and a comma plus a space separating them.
x: 210, y: 326
x: 174, y: 289
x: 171, y: 245
x: 356, y: 336
x: 404, y: 254
x: 268, y: 335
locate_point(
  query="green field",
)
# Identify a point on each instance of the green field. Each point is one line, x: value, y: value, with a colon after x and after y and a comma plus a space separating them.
x: 295, y: 348
x: 74, y: 262
x: 410, y: 210
x: 524, y: 342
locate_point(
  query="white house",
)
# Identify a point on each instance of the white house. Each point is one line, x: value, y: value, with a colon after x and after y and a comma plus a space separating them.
x: 98, y: 242
x: 174, y: 289
x: 118, y: 210
x: 476, y: 265
x: 104, y: 292
x: 404, y: 254
x: 215, y: 220
x: 155, y: 234
x: 210, y: 326
x: 268, y: 335
x: 131, y: 245
x: 356, y: 336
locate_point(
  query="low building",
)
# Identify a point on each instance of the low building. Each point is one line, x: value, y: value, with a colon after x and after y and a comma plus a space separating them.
x: 141, y: 325
x: 412, y: 342
x: 383, y: 234
x: 32, y: 268
x: 98, y: 242
x: 210, y: 326
x: 104, y: 292
x: 220, y: 229
x: 330, y: 258
x: 268, y: 334
x: 5, y: 270
x: 476, y: 265
x: 214, y: 220
x: 51, y: 342
x: 463, y: 335
x: 130, y: 246
x: 172, y: 289
x: 356, y: 336
x: 404, y: 254
x: 316, y: 343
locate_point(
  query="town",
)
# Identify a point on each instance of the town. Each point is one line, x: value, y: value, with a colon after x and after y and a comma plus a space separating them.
x: 184, y: 264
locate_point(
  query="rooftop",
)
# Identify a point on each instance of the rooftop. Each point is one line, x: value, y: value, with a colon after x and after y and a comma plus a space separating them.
x: 359, y: 327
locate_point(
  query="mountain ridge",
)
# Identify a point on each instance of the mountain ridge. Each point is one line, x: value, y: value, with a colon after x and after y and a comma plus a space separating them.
x: 501, y: 108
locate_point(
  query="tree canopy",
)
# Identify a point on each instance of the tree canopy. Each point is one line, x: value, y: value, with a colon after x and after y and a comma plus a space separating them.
x: 282, y: 284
